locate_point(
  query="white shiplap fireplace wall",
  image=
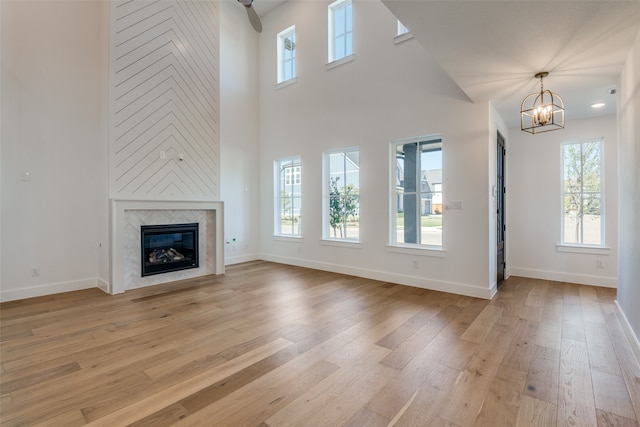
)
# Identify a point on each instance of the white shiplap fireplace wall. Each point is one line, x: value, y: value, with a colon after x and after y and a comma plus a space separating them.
x: 164, y: 146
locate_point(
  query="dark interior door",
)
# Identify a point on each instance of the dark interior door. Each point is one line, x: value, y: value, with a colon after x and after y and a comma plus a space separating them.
x: 500, y: 193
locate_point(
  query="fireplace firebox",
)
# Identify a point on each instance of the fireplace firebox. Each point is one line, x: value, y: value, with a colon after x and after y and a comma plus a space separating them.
x: 170, y: 247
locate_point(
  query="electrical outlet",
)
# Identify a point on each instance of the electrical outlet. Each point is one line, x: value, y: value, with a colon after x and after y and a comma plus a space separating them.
x: 599, y: 263
x: 35, y: 271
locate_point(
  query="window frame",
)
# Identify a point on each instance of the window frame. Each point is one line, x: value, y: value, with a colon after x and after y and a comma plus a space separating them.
x: 326, y: 196
x: 332, y: 36
x: 401, y: 29
x: 282, y: 60
x: 600, y: 194
x: 394, y: 195
x: 294, y: 178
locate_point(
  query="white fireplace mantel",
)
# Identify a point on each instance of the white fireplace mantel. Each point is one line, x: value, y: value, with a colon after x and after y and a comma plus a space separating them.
x: 118, y: 208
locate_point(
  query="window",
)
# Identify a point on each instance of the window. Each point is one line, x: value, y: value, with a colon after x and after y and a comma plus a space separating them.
x: 402, y: 29
x: 582, y: 193
x: 288, y: 191
x: 340, y: 30
x: 287, y: 54
x: 417, y: 192
x: 342, y: 194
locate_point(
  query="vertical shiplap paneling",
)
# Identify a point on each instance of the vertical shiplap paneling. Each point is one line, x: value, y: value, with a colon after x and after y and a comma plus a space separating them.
x: 164, y: 98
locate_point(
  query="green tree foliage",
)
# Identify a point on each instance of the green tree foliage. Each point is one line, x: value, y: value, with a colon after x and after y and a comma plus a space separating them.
x: 581, y: 183
x: 343, y: 203
x: 285, y: 205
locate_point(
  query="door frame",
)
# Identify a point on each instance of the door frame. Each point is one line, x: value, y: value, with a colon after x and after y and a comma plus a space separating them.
x: 500, y: 195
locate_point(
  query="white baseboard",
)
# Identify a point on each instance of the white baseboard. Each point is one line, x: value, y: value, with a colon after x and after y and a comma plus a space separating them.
x: 103, y: 285
x: 240, y: 259
x: 48, y: 289
x: 628, y: 331
x: 401, y: 279
x: 581, y: 279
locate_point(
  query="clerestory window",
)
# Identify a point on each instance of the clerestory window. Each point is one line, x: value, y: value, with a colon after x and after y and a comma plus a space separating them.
x: 287, y: 54
x: 340, y: 30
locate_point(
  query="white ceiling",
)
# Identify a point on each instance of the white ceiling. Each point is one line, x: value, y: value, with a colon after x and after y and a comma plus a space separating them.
x: 493, y: 49
x: 265, y: 6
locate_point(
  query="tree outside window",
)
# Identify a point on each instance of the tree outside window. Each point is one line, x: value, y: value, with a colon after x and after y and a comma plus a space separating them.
x: 582, y: 193
x: 342, y: 212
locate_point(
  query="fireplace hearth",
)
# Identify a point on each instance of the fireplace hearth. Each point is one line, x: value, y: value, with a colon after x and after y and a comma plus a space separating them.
x: 169, y: 247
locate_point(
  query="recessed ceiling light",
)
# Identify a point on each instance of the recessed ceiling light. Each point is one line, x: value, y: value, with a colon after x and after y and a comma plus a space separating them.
x: 597, y: 105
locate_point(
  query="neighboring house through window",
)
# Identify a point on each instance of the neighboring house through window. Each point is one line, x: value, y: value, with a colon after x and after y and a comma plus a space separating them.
x: 340, y: 30
x: 342, y: 194
x: 287, y: 54
x: 288, y: 197
x: 582, y: 193
x: 416, y: 218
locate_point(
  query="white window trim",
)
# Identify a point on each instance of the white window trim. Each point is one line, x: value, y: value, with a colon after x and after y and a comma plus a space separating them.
x: 280, y: 52
x: 424, y: 250
x: 331, y: 33
x: 402, y: 38
x: 287, y: 238
x: 341, y: 61
x: 583, y: 247
x: 286, y: 83
x: 353, y: 244
x: 408, y: 248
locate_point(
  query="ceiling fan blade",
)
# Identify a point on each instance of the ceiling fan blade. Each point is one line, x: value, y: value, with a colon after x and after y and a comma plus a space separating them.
x: 254, y: 19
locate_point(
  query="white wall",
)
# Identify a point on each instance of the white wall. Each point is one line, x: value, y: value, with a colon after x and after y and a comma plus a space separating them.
x: 388, y: 92
x: 52, y: 103
x: 239, y: 117
x: 629, y: 175
x: 534, y: 205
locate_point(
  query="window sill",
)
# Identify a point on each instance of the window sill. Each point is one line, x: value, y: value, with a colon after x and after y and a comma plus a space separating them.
x: 402, y: 38
x: 598, y: 250
x: 287, y: 83
x: 355, y: 244
x: 285, y: 238
x: 430, y: 251
x: 338, y: 62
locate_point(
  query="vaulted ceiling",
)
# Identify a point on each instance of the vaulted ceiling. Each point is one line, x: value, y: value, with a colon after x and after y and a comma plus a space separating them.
x: 493, y: 49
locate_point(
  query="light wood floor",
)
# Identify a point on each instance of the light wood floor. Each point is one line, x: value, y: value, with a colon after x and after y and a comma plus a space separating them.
x: 275, y: 345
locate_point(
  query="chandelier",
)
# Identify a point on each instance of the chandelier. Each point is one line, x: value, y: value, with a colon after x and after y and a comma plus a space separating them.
x: 542, y: 111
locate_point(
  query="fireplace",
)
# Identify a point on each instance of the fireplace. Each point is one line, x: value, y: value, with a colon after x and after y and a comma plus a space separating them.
x: 170, y: 247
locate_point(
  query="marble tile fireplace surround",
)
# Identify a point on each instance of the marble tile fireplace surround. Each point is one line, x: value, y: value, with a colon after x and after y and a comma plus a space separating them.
x: 127, y: 216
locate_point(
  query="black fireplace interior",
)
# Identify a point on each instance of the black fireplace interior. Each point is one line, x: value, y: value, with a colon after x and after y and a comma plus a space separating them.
x: 169, y: 247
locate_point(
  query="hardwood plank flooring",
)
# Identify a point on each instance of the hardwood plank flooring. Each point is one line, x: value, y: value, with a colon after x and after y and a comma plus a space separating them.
x: 275, y: 345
